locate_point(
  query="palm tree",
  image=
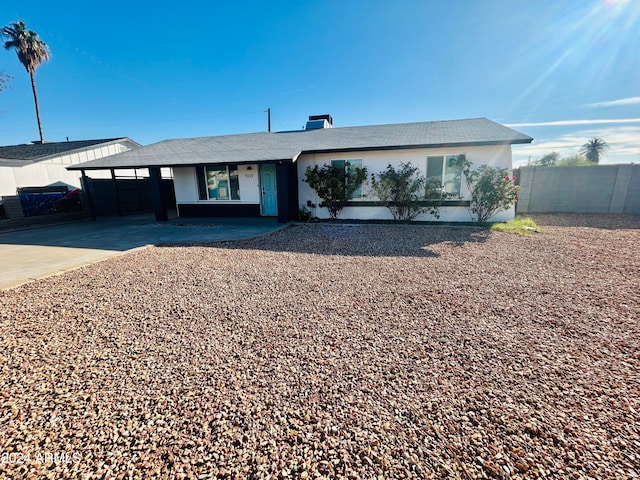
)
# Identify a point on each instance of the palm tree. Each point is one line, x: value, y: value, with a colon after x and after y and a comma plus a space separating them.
x: 593, y: 149
x: 31, y: 52
x: 4, y: 81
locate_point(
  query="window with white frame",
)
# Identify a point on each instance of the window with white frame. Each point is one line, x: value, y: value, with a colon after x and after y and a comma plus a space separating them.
x: 349, y: 165
x: 445, y: 173
x: 222, y: 182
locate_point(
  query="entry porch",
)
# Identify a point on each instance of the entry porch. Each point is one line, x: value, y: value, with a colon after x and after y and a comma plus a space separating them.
x: 261, y: 189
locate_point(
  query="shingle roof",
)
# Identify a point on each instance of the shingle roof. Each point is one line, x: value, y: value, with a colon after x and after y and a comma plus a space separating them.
x: 34, y: 152
x: 256, y: 147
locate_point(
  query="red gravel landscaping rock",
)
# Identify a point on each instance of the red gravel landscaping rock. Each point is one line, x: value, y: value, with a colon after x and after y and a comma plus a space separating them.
x: 333, y: 351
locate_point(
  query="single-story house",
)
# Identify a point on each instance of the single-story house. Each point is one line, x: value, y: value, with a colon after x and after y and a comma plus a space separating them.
x: 262, y: 174
x: 41, y: 164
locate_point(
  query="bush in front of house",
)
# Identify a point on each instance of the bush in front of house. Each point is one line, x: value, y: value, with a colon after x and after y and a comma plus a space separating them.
x: 402, y: 191
x: 335, y: 185
x: 492, y: 190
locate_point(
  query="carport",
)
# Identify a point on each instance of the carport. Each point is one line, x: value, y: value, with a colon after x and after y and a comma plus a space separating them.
x: 263, y: 188
x: 129, y: 192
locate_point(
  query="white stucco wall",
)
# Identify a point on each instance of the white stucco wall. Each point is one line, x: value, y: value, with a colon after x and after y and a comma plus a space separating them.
x: 54, y: 170
x: 249, y: 183
x: 377, y: 161
x: 186, y: 185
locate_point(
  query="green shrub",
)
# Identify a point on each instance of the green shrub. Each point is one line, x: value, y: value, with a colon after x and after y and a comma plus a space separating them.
x: 402, y: 190
x: 492, y: 190
x: 574, y: 161
x: 335, y: 185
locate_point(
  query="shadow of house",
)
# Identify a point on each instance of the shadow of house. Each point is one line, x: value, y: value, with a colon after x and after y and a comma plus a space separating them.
x: 356, y: 240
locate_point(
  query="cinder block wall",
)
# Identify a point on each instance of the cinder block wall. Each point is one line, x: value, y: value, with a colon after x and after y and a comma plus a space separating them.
x: 632, y: 202
x: 596, y: 189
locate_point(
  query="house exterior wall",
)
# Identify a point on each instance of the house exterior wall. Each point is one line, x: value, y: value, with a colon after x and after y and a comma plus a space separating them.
x: 188, y: 197
x: 93, y: 153
x: 54, y: 170
x: 249, y: 183
x: 190, y: 204
x: 377, y: 161
x: 186, y: 185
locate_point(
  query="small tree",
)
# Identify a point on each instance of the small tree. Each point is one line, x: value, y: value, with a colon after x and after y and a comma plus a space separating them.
x: 574, y: 161
x: 548, y: 160
x: 492, y: 190
x: 401, y: 190
x: 335, y: 185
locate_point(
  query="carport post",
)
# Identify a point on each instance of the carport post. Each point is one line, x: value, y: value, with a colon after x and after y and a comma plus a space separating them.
x: 84, y: 182
x: 114, y: 182
x: 159, y: 207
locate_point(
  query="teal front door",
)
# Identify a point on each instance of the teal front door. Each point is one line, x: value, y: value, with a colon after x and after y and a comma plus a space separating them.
x: 269, y: 192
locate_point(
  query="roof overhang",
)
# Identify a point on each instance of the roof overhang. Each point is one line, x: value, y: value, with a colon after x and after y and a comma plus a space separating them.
x: 73, y: 151
x: 14, y: 162
x: 418, y: 146
x: 90, y: 147
x: 182, y: 165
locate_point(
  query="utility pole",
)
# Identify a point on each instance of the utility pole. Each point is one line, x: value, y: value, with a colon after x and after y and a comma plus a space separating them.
x: 269, y: 119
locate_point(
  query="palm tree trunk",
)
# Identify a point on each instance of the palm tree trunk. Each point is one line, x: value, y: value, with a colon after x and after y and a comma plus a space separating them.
x: 35, y: 99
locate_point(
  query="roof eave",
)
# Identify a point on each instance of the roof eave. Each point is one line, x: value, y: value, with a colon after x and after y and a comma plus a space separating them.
x: 44, y: 158
x: 420, y: 146
x: 179, y: 165
x: 14, y: 162
x: 84, y: 149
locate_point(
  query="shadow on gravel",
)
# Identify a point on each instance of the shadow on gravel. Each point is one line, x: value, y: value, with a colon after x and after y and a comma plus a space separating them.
x: 358, y: 240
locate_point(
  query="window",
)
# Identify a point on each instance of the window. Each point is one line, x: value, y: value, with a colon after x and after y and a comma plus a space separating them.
x: 349, y: 166
x: 444, y: 172
x: 222, y: 182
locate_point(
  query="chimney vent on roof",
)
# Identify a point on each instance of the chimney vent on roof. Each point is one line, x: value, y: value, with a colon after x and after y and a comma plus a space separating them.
x: 317, y: 122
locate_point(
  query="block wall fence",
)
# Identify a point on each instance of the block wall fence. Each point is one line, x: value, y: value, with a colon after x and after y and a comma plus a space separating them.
x: 596, y: 189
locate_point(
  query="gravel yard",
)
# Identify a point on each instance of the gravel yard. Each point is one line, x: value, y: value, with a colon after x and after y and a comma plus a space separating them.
x: 333, y: 351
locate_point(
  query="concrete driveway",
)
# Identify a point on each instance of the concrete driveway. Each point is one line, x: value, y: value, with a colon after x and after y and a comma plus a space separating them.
x: 39, y: 252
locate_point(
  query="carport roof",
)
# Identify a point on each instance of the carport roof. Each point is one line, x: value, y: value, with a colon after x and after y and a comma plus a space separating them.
x: 261, y: 147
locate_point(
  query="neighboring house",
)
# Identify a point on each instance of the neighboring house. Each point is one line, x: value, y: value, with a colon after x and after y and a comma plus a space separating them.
x: 261, y: 174
x: 43, y: 164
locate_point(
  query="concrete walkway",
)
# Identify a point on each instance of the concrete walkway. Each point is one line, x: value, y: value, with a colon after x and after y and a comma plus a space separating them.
x: 40, y: 252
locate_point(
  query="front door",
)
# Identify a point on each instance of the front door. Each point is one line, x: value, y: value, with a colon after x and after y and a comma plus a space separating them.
x: 269, y: 193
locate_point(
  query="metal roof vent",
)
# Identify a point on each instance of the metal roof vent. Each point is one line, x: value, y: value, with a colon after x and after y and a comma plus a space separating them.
x: 317, y: 122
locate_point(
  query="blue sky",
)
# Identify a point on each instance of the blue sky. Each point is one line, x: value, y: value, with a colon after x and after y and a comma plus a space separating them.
x: 561, y: 71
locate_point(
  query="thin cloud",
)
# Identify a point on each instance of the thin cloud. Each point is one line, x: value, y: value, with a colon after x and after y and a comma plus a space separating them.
x: 617, y: 103
x: 566, y: 123
x: 297, y: 90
